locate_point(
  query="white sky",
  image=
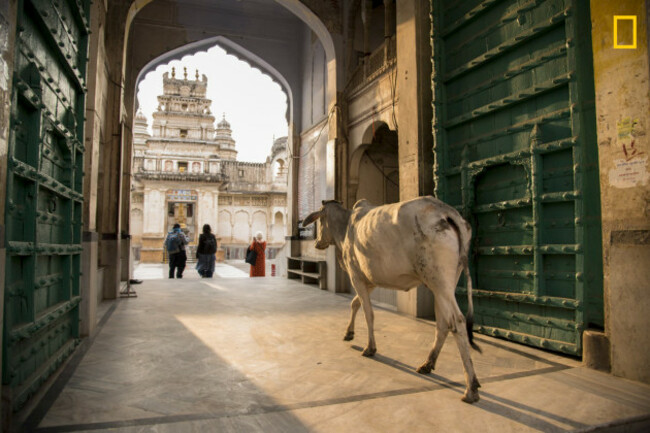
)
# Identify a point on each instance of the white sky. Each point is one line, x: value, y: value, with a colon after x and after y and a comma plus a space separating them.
x: 254, y: 104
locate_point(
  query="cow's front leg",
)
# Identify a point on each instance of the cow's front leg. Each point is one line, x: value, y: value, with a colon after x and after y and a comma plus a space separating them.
x: 354, y: 307
x: 364, y: 294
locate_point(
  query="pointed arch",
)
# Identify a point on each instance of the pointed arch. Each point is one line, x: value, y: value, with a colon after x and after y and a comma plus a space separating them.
x: 230, y: 47
x: 300, y: 10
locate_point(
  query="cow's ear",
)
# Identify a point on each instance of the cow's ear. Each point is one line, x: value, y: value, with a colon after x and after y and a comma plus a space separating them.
x: 311, y: 218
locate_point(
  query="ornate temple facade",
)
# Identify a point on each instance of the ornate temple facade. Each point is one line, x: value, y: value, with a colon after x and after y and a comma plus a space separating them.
x: 186, y: 172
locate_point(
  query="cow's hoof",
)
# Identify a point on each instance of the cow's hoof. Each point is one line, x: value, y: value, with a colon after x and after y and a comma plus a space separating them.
x: 470, y: 397
x: 349, y: 336
x: 369, y: 352
x: 424, y: 368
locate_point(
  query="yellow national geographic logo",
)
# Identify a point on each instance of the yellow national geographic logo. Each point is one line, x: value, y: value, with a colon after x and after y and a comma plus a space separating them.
x: 631, y: 46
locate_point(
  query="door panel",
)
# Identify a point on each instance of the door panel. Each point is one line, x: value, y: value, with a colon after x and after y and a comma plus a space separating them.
x: 44, y: 199
x: 514, y: 132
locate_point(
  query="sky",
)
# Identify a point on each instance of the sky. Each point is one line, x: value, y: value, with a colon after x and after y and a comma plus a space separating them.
x: 253, y: 103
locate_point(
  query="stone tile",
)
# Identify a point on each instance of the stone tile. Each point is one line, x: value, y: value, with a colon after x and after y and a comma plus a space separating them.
x: 266, y: 355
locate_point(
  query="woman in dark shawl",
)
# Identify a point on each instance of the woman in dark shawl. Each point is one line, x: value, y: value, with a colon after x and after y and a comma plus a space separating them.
x: 205, y: 252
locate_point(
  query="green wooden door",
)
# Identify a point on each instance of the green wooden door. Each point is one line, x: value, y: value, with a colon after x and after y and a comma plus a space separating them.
x: 516, y: 153
x: 44, y: 193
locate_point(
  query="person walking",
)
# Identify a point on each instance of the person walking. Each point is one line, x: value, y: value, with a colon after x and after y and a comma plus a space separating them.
x: 205, y: 252
x: 259, y: 269
x: 175, y: 245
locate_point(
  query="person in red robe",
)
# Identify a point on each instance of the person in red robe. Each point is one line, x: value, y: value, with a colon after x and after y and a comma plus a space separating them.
x: 259, y: 270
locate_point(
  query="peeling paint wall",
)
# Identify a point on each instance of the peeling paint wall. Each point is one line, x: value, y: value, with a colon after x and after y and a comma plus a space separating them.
x: 623, y: 116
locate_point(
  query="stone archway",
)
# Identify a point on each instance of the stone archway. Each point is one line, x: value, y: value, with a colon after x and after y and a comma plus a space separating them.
x: 374, y: 170
x: 263, y: 57
x: 374, y: 166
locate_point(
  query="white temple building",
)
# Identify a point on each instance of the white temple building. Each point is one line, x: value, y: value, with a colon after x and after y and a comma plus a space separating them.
x: 187, y: 173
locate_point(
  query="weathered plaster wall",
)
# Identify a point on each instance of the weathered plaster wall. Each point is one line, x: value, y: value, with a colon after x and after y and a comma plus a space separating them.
x: 312, y: 160
x: 623, y: 114
x: 314, y: 76
x: 370, y: 104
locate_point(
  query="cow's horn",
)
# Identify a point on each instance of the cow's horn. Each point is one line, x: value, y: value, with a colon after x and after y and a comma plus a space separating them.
x: 311, y: 218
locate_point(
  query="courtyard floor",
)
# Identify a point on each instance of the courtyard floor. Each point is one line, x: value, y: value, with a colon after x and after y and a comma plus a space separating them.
x: 235, y: 354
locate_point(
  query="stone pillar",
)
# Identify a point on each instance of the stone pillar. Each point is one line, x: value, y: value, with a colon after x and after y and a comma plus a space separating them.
x: 126, y: 252
x: 292, y: 234
x: 215, y: 200
x: 94, y: 130
x: 111, y: 164
x: 88, y: 306
x: 414, y: 119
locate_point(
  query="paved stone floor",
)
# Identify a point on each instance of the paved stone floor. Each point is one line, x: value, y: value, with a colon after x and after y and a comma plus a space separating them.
x: 266, y: 355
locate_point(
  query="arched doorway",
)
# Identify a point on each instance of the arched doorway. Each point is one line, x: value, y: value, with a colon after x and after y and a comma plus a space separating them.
x: 376, y: 167
x: 145, y: 51
x: 82, y: 220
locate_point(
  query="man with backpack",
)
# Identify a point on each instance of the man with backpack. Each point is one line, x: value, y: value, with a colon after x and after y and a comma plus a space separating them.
x: 175, y: 246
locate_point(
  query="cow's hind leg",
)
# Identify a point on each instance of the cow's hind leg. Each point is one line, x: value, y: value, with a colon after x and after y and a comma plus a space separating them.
x: 462, y: 341
x: 354, y: 307
x: 449, y: 316
x: 449, y: 312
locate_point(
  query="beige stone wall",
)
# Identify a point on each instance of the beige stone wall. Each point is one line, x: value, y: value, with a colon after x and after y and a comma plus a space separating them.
x: 234, y: 218
x: 372, y: 104
x: 152, y: 249
x: 414, y: 122
x: 623, y: 114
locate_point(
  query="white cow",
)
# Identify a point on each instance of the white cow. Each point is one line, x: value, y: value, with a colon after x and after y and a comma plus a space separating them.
x: 400, y: 246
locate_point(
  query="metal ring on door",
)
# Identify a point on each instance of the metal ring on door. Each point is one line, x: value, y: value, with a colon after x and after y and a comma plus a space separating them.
x: 51, y: 205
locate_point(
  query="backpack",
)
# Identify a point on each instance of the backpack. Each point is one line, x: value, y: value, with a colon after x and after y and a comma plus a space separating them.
x: 210, y: 244
x: 251, y: 256
x: 173, y: 243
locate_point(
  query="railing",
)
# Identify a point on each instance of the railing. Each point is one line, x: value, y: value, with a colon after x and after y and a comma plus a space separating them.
x: 180, y: 176
x: 375, y: 64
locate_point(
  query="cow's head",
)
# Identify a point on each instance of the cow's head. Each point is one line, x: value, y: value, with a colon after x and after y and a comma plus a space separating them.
x: 323, y: 231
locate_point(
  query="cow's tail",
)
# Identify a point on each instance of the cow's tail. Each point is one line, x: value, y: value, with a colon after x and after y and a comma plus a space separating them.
x: 464, y: 232
x: 470, y: 309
